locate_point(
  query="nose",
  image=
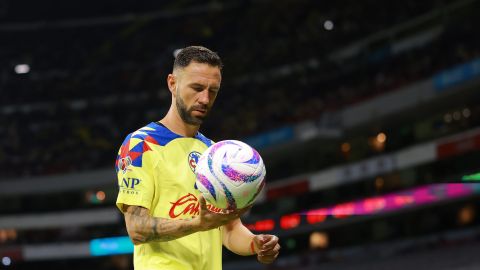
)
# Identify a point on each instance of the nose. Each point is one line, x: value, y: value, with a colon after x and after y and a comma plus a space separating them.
x: 204, y: 98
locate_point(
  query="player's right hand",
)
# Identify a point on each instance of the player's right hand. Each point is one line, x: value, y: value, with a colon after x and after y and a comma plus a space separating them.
x: 207, y: 220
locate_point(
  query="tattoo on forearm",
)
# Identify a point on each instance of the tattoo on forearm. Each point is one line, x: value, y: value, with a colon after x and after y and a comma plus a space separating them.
x: 148, y: 228
x: 154, y: 228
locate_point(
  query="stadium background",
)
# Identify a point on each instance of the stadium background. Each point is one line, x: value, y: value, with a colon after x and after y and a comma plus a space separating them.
x: 365, y: 112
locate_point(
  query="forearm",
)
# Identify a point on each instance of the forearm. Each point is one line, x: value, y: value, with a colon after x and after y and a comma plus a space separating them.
x: 238, y: 238
x: 143, y: 228
x: 162, y: 229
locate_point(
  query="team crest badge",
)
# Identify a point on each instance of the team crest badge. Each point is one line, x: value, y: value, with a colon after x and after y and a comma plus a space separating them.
x: 193, y: 159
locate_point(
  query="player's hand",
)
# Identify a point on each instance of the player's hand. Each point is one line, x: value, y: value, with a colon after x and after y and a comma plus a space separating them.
x: 267, y: 247
x: 207, y: 220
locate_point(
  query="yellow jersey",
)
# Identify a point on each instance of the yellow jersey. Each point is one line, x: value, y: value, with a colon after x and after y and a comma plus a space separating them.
x: 155, y: 169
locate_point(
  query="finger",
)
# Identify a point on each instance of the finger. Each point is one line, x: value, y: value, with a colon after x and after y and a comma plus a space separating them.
x: 268, y: 253
x: 270, y: 242
x: 268, y: 258
x: 203, y: 203
x: 271, y: 252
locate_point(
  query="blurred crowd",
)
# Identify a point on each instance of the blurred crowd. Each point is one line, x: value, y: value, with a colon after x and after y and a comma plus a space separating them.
x: 90, y: 86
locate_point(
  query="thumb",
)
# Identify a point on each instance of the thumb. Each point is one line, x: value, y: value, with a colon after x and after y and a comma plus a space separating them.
x: 258, y: 240
x: 203, y: 202
x: 266, y: 238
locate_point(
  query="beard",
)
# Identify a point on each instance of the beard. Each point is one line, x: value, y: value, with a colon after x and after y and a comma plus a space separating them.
x: 186, y: 113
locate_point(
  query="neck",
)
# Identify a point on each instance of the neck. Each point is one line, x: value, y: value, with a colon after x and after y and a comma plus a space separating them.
x: 174, y: 122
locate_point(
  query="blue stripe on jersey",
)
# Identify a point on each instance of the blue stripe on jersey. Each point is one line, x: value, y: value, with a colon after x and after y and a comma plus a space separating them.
x: 204, y: 139
x: 161, y: 134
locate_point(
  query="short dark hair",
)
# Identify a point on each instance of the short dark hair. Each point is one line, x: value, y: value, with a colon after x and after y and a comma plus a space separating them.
x: 197, y: 54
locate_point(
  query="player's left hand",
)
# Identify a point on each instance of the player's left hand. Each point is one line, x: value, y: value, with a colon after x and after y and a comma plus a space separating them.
x: 267, y: 247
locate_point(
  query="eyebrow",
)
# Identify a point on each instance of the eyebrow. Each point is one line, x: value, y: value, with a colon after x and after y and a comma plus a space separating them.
x: 212, y: 87
x: 197, y: 84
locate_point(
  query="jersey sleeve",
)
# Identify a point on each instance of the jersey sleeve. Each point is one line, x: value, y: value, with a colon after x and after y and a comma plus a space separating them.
x: 135, y: 174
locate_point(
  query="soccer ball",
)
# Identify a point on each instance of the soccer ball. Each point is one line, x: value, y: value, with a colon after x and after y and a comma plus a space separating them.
x: 230, y: 174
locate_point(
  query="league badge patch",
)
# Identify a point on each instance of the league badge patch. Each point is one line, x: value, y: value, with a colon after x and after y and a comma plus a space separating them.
x: 124, y: 163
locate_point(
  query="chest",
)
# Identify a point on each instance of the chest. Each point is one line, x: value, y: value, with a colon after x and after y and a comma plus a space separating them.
x: 175, y: 195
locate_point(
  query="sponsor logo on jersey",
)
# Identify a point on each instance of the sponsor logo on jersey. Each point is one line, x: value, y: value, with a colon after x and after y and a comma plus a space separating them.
x: 127, y: 185
x: 188, y: 205
x: 193, y: 159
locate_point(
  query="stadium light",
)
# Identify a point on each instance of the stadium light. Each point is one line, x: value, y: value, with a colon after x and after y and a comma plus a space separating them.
x: 100, y: 195
x: 317, y: 215
x: 346, y: 147
x: 6, y: 261
x: 262, y: 225
x: 328, y: 25
x: 22, y: 69
x: 381, y: 137
x: 289, y: 221
x: 466, y: 215
x: 319, y: 240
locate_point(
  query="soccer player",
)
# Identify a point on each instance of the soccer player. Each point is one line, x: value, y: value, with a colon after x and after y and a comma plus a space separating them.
x: 169, y: 222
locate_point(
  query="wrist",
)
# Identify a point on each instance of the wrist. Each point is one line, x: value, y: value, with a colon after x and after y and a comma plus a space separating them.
x: 253, y: 247
x: 194, y: 224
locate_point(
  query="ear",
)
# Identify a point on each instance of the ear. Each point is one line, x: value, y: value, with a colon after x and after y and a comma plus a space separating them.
x: 172, y: 84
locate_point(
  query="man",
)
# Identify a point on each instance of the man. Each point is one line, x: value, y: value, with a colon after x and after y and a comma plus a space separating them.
x: 169, y: 222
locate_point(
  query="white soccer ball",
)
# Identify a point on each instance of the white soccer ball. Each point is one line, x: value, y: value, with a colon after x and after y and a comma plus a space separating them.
x: 230, y: 174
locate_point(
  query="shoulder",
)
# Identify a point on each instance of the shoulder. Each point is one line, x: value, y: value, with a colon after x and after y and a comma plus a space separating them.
x: 140, y: 144
x: 153, y: 134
